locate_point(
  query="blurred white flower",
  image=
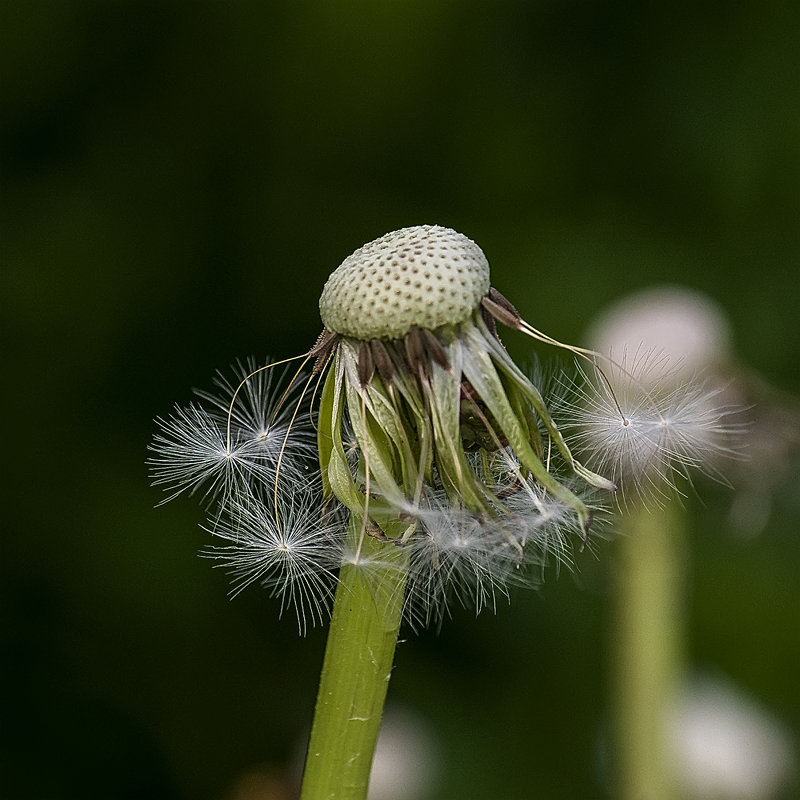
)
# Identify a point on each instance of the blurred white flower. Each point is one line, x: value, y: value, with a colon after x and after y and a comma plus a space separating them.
x: 407, y: 758
x: 728, y: 747
x: 686, y: 331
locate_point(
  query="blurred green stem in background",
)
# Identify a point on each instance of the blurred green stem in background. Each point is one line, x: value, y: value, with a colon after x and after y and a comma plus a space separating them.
x: 648, y: 648
x: 366, y: 619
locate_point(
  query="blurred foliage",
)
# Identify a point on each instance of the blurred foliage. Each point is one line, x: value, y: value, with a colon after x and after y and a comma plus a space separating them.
x: 179, y: 178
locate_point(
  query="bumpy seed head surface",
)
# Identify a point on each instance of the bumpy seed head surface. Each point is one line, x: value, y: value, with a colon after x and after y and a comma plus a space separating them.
x: 426, y: 276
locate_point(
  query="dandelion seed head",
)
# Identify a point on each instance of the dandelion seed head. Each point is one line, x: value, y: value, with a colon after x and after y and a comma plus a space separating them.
x: 441, y: 471
x: 425, y: 415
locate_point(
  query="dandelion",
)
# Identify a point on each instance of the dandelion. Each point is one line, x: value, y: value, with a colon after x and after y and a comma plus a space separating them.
x: 439, y: 475
x: 649, y: 425
x: 429, y: 392
x: 419, y: 413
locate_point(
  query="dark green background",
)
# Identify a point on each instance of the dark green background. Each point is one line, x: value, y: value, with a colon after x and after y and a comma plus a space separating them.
x: 178, y: 180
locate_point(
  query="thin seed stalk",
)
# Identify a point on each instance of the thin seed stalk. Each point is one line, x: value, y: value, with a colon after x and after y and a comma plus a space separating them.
x: 648, y: 648
x: 366, y: 618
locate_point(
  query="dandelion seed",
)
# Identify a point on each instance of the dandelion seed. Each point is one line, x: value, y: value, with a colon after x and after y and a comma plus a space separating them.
x: 456, y: 556
x: 201, y: 448
x: 547, y: 524
x: 295, y: 559
x: 261, y: 417
x: 648, y: 426
x: 192, y: 452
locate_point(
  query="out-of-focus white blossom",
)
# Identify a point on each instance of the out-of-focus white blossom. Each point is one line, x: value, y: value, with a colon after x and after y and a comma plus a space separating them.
x: 686, y: 332
x: 728, y: 747
x: 407, y: 758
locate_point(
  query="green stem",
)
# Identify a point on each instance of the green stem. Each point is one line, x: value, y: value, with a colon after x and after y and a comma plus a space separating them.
x: 367, y: 613
x: 648, y: 645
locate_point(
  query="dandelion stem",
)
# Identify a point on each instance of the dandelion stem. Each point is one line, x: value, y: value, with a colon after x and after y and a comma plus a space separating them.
x: 647, y: 639
x: 358, y: 661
